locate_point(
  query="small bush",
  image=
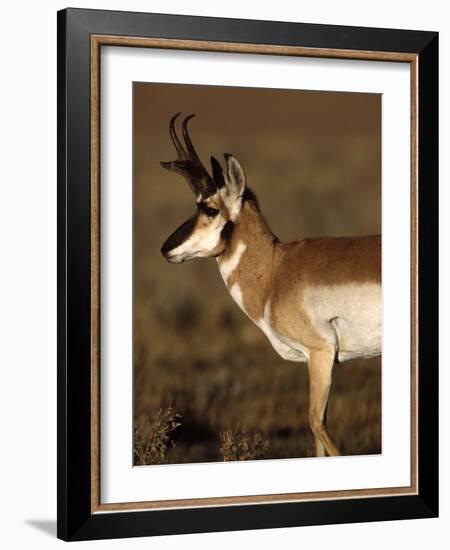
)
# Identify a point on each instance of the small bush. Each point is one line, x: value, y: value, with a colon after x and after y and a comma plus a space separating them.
x: 240, y: 445
x: 152, y: 437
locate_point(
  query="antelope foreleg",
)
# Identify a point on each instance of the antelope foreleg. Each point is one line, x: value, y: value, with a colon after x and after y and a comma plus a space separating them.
x: 320, y: 367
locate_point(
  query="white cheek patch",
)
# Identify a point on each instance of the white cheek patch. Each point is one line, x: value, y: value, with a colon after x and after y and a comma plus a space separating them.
x: 227, y: 266
x: 201, y: 242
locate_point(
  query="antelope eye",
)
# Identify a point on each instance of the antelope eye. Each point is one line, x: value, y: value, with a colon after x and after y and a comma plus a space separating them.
x: 210, y: 212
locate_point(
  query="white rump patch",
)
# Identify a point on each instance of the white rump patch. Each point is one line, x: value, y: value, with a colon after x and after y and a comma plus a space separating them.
x: 353, y: 311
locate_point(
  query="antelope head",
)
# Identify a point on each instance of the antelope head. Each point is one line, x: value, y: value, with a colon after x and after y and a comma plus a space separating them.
x: 219, y: 201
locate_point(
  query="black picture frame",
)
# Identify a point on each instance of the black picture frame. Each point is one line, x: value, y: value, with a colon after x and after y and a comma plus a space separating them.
x: 75, y: 518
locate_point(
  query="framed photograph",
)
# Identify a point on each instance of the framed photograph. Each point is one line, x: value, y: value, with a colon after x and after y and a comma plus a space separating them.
x: 247, y: 257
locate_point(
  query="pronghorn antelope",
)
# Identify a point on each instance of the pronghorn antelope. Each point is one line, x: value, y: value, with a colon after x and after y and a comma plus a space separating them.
x: 317, y: 300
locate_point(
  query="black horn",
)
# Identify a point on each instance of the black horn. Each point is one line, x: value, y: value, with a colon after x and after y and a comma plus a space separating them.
x: 173, y: 134
x: 187, y: 139
x: 188, y: 163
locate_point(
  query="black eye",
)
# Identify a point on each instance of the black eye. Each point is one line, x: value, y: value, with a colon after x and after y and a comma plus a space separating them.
x: 211, y: 212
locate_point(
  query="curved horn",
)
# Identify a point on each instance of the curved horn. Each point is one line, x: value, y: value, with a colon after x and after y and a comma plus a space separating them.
x: 188, y: 163
x: 177, y: 143
x: 187, y: 139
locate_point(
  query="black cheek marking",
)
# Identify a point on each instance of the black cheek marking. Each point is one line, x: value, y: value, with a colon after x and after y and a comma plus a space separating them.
x: 227, y: 231
x: 179, y: 235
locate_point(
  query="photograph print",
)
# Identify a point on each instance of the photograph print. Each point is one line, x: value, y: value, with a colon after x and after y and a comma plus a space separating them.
x: 256, y: 274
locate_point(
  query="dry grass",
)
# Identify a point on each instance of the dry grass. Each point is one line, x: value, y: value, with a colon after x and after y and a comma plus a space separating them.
x: 240, y: 445
x: 217, y: 370
x: 152, y: 437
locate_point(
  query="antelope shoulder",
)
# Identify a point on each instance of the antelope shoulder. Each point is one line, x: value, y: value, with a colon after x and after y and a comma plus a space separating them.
x: 286, y: 347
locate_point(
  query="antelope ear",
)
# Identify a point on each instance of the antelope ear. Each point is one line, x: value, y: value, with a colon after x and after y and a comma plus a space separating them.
x: 235, y: 179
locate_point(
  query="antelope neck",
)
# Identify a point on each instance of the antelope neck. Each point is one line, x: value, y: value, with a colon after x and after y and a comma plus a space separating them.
x: 247, y: 265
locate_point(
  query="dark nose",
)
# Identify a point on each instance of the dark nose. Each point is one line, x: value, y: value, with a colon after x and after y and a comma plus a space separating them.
x: 166, y: 247
x: 179, y: 236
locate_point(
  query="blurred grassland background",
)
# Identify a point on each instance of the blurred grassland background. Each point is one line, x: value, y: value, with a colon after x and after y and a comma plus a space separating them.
x: 314, y: 161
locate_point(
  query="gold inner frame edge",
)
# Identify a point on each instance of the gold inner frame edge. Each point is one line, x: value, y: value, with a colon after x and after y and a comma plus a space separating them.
x: 97, y: 41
